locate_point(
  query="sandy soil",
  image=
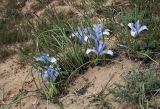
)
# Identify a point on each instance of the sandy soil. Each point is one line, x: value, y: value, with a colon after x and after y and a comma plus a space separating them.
x: 13, y: 74
x: 97, y: 77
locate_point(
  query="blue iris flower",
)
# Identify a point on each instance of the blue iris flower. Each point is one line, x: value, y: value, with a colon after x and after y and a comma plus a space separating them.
x: 99, y: 49
x: 136, y: 28
x: 98, y: 31
x: 45, y: 58
x: 50, y: 74
x: 81, y: 35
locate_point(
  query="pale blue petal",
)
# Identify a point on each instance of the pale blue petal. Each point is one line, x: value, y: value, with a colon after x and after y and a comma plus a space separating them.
x: 56, y: 74
x: 110, y: 52
x: 74, y: 34
x: 79, y: 29
x: 44, y: 74
x: 106, y: 32
x: 41, y: 59
x: 53, y: 60
x: 86, y: 38
x: 137, y: 25
x: 86, y: 31
x: 134, y: 33
x: 98, y: 32
x: 131, y: 25
x: 100, y: 47
x: 91, y: 50
x: 143, y: 28
x: 80, y: 32
x: 97, y: 44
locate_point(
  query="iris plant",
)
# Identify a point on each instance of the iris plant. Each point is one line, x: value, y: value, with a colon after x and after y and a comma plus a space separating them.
x: 96, y: 32
x: 45, y: 58
x: 136, y: 28
x: 50, y: 74
x: 99, y: 49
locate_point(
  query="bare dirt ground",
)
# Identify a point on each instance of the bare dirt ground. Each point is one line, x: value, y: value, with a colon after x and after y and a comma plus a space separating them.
x: 13, y: 74
x: 97, y: 77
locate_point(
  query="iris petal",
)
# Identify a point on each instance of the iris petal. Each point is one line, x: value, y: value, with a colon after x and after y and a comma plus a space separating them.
x: 97, y: 44
x: 82, y: 35
x: 53, y: 60
x: 86, y: 38
x: 110, y: 52
x: 51, y: 74
x: 134, y: 33
x: 91, y: 50
x: 45, y: 58
x: 74, y: 34
x: 143, y: 28
x: 44, y: 74
x: 106, y: 32
x: 131, y: 25
x: 98, y: 32
x: 137, y: 25
x: 102, y: 47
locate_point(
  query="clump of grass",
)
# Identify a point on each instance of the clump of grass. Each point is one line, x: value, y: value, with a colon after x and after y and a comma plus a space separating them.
x: 147, y: 44
x: 11, y: 23
x: 139, y: 88
x: 69, y: 55
x: 48, y: 94
x: 51, y: 36
x: 69, y: 50
x: 150, y: 5
x: 101, y: 102
x: 26, y: 52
